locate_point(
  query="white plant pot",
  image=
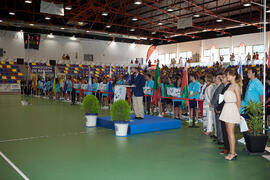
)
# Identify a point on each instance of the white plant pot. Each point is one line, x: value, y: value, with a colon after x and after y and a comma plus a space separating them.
x: 121, y: 129
x: 91, y: 120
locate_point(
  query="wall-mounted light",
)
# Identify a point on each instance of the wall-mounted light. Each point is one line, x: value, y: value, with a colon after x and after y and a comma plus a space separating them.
x: 105, y: 14
x: 28, y: 1
x: 50, y: 35
x: 47, y: 18
x: 137, y: 2
x: 73, y: 38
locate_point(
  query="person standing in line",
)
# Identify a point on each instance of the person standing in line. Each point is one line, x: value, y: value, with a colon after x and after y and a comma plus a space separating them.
x: 137, y: 82
x: 214, y: 104
x: 177, y: 102
x: 231, y: 111
x: 218, y: 110
x: 150, y: 84
x: 254, y: 90
x: 208, y: 94
x: 193, y: 88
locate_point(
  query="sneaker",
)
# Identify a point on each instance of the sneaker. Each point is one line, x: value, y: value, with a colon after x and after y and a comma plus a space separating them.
x: 242, y: 140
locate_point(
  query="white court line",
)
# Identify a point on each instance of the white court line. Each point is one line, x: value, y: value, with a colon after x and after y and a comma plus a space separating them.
x: 14, y: 167
x: 40, y: 137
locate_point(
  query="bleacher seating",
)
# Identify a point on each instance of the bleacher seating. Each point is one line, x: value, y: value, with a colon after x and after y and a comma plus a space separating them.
x: 10, y: 72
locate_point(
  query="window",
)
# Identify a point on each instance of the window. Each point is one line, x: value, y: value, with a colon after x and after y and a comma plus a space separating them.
x: 167, y: 59
x: 236, y: 50
x: 260, y: 50
x: 184, y: 56
x: 224, y: 51
x: 161, y: 58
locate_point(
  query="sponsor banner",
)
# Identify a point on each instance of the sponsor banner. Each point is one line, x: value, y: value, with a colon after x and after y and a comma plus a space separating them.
x: 119, y: 92
x: 40, y: 69
x: 173, y: 92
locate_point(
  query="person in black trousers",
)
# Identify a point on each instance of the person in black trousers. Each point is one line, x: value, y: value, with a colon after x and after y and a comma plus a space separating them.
x: 219, y: 108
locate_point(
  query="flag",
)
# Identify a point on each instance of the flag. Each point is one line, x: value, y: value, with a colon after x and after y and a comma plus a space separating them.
x: 157, y: 88
x: 89, y: 87
x: 65, y: 83
x: 184, y: 88
x: 54, y: 80
x: 36, y: 82
x: 150, y: 51
x: 128, y: 88
x: 44, y: 81
x: 240, y: 69
x: 268, y: 56
x: 110, y: 90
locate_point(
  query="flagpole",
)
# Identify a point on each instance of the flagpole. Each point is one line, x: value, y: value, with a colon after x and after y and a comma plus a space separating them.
x: 264, y: 64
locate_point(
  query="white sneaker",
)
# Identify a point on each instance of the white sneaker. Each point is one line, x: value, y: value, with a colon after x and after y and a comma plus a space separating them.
x: 242, y: 140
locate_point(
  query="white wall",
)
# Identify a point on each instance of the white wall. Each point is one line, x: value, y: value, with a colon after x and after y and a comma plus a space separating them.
x: 223, y: 42
x: 103, y: 51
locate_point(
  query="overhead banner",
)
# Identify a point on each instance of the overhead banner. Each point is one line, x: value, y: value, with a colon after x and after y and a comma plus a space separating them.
x: 52, y: 8
x: 119, y: 92
x: 40, y: 69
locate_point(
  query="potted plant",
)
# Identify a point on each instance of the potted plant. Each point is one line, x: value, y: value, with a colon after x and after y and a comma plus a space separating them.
x: 91, y: 108
x: 255, y: 140
x: 120, y: 114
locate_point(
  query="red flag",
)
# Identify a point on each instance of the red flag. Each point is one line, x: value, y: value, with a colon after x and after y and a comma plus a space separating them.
x: 184, y: 88
x: 150, y: 51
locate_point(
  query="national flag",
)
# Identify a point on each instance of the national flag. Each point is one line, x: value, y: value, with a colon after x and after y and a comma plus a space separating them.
x: 268, y: 56
x: 36, y: 82
x: 128, y: 88
x: 184, y: 88
x: 240, y: 69
x: 110, y: 90
x: 44, y: 81
x: 89, y: 87
x: 54, y: 80
x: 157, y: 88
x: 65, y: 83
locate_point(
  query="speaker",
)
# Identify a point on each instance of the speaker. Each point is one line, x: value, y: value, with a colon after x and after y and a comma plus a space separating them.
x: 52, y: 62
x: 20, y: 61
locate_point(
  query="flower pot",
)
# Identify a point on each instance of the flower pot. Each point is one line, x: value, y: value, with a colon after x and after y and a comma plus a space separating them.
x: 121, y: 128
x: 256, y: 144
x: 91, y: 120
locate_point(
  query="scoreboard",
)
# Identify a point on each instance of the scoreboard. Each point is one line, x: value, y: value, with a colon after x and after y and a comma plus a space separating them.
x: 31, y: 40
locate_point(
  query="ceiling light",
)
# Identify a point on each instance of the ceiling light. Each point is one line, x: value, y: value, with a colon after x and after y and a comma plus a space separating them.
x: 134, y: 19
x: 62, y: 28
x: 219, y: 20
x: 11, y: 13
x: 47, y: 18
x: 68, y: 8
x: 31, y: 24
x: 170, y: 10
x: 80, y: 23
x: 50, y: 35
x: 160, y: 23
x: 105, y: 14
x: 1, y: 20
x: 87, y: 31
x: 204, y: 30
x: 196, y: 15
x: 242, y: 24
x: 132, y: 29
x: 28, y: 2
x: 153, y: 32
x: 137, y: 2
x: 108, y: 26
x: 73, y: 38
x: 246, y: 4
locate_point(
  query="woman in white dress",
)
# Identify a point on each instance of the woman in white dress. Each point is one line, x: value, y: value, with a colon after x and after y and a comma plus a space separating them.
x: 231, y: 111
x: 208, y: 94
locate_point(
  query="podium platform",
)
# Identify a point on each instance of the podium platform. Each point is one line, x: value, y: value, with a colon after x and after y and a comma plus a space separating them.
x: 148, y: 124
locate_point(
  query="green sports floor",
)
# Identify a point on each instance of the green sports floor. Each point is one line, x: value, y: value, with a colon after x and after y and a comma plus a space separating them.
x: 57, y: 146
